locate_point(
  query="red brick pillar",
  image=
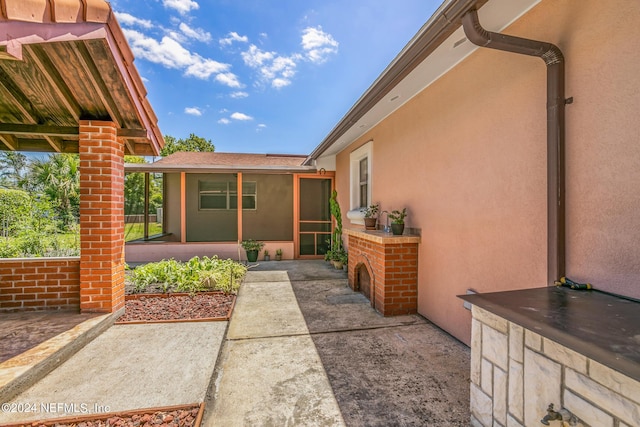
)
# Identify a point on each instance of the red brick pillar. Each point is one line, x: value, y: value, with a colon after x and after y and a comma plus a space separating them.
x: 101, y: 217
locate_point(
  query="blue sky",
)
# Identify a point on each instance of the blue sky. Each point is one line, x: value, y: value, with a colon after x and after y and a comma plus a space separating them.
x: 258, y: 76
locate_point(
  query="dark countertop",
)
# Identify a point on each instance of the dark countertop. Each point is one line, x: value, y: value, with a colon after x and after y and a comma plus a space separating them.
x: 601, y: 326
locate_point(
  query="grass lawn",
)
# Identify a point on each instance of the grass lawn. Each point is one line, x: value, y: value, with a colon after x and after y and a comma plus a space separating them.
x: 135, y: 230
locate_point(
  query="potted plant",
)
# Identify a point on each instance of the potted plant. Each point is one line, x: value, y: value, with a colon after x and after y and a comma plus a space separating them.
x: 339, y: 258
x: 371, y: 216
x: 397, y: 221
x: 278, y: 254
x: 252, y: 247
x: 267, y: 257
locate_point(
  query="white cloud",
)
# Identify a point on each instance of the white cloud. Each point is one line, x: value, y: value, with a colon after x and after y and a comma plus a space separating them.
x: 278, y: 83
x: 275, y: 69
x: 241, y: 116
x: 317, y: 44
x: 261, y: 127
x: 167, y: 52
x: 176, y: 36
x: 182, y: 6
x: 171, y: 54
x: 130, y: 20
x: 195, y: 33
x: 255, y: 57
x: 229, y: 79
x: 278, y: 70
x: 239, y: 94
x: 224, y: 121
x: 194, y: 111
x: 233, y: 37
x: 203, y: 68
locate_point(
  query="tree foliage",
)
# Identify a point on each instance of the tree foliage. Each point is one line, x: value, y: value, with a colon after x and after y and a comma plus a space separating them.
x: 58, y: 178
x: 134, y: 190
x: 192, y: 143
x: 29, y: 227
x: 12, y: 168
x: 15, y: 206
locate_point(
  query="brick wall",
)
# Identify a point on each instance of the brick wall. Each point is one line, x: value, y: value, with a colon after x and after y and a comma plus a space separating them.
x: 392, y: 263
x: 39, y: 284
x: 516, y: 373
x: 101, y: 217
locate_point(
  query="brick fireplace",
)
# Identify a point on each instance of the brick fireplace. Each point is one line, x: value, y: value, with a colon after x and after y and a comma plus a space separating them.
x: 384, y: 268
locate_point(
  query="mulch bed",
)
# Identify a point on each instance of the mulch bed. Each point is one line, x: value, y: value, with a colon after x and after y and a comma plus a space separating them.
x: 142, y: 308
x: 185, y: 416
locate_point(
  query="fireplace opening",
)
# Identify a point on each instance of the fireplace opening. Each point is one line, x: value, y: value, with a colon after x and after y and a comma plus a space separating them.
x: 364, y: 281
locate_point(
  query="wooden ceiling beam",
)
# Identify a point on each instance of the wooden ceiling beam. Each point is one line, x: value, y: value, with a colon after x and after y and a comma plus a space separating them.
x: 129, y: 146
x: 19, y: 99
x: 55, y: 143
x: 98, y: 83
x: 10, y: 141
x: 49, y: 71
x: 45, y: 130
x: 63, y: 131
x: 143, y: 150
x: 137, y: 134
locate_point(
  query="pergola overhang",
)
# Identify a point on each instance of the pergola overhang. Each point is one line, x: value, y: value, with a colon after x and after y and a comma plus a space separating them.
x: 68, y: 85
x: 63, y: 61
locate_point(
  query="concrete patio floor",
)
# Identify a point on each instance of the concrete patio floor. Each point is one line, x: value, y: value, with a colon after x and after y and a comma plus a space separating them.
x: 400, y: 371
x: 301, y: 349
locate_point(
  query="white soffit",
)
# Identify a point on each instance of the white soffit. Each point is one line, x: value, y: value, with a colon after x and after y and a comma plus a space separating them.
x: 495, y: 16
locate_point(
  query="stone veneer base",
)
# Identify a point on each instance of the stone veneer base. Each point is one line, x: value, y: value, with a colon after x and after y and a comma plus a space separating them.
x: 516, y: 371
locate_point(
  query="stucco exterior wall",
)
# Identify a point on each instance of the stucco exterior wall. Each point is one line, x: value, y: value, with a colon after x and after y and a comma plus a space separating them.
x: 172, y: 206
x: 467, y: 157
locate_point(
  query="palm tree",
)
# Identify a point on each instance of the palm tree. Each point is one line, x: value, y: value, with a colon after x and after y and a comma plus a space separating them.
x: 59, y: 179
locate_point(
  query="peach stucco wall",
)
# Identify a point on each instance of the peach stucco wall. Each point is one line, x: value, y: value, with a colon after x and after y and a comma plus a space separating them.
x: 467, y: 157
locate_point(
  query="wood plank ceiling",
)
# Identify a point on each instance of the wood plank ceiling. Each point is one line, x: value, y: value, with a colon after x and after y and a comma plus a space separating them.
x: 55, y: 84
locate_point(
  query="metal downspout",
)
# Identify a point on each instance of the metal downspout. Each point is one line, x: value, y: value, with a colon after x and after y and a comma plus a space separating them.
x: 552, y: 56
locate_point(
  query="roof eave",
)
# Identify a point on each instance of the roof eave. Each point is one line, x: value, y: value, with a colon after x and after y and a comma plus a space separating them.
x: 153, y: 168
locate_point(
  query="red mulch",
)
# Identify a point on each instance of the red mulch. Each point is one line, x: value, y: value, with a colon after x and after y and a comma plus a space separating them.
x: 177, y: 307
x: 175, y: 418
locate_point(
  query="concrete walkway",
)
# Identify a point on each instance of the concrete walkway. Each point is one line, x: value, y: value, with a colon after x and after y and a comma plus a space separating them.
x: 127, y: 367
x: 269, y: 372
x: 300, y: 340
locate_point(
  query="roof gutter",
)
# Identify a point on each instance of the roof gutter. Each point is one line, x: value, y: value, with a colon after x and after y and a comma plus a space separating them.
x: 553, y: 58
x: 444, y: 22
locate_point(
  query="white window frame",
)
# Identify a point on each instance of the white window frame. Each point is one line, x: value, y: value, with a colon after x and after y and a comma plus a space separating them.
x: 356, y: 212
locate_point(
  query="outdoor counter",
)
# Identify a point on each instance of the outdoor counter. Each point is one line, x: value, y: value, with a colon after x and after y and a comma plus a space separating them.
x: 601, y: 326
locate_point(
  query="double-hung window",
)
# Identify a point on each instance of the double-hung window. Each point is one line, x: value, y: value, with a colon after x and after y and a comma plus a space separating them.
x: 224, y: 195
x: 213, y: 195
x: 363, y: 183
x: 249, y: 195
x: 361, y: 161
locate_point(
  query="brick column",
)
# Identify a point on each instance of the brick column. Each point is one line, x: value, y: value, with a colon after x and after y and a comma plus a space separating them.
x: 101, y: 217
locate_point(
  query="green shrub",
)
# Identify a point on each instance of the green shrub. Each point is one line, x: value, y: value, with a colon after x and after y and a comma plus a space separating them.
x: 15, y: 209
x: 29, y: 228
x: 196, y: 275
